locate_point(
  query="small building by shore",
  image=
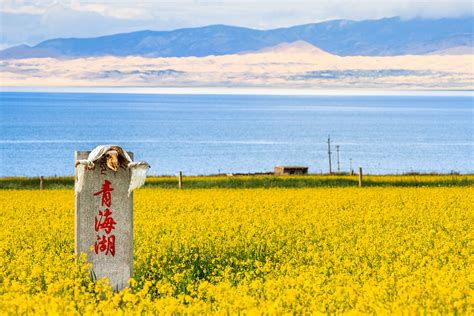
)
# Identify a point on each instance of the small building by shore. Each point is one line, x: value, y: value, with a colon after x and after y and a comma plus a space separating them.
x: 290, y: 170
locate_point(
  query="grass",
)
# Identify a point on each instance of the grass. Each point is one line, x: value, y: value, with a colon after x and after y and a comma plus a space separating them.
x: 262, y: 181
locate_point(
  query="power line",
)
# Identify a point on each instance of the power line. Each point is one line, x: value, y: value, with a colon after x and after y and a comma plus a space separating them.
x: 329, y: 154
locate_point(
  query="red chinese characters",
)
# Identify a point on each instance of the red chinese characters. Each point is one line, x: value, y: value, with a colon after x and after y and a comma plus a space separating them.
x: 106, y: 193
x: 104, y: 222
x: 105, y: 244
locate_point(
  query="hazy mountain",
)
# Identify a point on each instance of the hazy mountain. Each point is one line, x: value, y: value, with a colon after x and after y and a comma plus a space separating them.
x: 384, y: 37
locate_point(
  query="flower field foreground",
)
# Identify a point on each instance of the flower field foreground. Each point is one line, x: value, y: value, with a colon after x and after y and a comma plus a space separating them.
x: 319, y: 250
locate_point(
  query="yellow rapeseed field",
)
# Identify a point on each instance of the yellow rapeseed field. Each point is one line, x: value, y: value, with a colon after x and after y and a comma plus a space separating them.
x: 315, y: 250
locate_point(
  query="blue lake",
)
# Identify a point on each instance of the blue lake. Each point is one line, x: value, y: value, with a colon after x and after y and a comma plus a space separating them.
x: 206, y: 134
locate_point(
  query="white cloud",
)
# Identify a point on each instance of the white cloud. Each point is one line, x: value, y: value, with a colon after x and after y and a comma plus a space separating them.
x: 249, y: 11
x: 119, y: 11
x: 21, y: 7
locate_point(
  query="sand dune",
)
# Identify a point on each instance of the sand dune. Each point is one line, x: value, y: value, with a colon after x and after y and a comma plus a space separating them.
x: 293, y: 65
x: 294, y: 48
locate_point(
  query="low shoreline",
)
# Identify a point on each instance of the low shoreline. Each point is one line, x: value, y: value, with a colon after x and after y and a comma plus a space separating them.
x: 267, y: 91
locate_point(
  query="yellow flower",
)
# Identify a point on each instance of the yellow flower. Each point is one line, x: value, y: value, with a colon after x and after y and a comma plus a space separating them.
x: 386, y: 250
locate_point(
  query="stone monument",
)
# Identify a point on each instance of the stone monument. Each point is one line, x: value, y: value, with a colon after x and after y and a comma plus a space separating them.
x: 104, y: 183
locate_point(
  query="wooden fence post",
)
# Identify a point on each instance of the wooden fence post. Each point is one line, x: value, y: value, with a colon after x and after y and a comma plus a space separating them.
x: 41, y: 183
x: 180, y: 180
x: 360, y: 177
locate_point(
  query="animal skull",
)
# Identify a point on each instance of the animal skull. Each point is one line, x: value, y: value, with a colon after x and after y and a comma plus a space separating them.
x: 112, y: 161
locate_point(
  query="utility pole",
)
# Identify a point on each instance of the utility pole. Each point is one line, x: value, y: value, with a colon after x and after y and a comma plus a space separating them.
x: 338, y: 164
x: 329, y: 154
x: 350, y: 167
x: 180, y: 180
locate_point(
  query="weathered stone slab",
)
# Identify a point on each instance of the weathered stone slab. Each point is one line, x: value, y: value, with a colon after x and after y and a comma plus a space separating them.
x: 104, y: 222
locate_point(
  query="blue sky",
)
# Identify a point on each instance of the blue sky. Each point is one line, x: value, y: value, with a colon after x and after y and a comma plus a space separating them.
x: 32, y: 21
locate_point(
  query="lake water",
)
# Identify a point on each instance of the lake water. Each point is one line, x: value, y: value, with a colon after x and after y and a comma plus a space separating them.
x: 206, y: 134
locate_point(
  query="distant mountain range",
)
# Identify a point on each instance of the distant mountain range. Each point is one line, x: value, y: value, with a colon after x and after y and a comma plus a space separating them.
x: 384, y: 37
